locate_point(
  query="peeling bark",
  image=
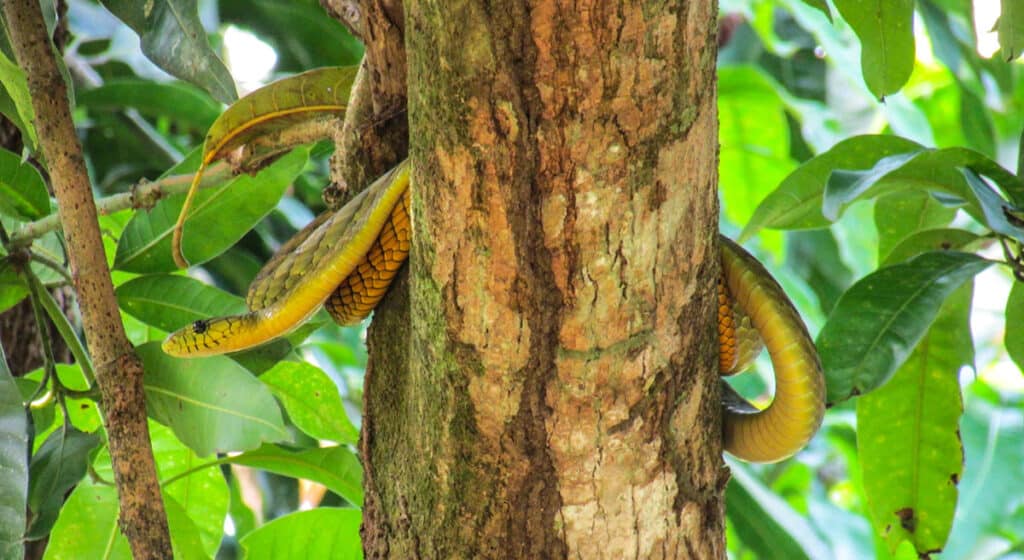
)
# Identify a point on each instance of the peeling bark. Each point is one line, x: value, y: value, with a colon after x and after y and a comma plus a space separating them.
x: 547, y: 387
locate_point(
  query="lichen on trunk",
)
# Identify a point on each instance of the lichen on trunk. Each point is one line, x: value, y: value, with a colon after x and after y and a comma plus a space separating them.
x: 547, y: 386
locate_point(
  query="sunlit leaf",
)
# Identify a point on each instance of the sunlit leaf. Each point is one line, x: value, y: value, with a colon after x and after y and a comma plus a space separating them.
x: 22, y: 191
x: 327, y: 533
x: 1014, y: 338
x: 170, y: 302
x: 900, y: 215
x: 1010, y: 28
x: 885, y: 30
x: 174, y: 39
x: 908, y: 435
x: 311, y: 400
x: 12, y: 286
x: 337, y: 468
x: 14, y: 434
x: 220, y: 218
x: 15, y: 86
x: 212, y: 404
x: 941, y: 239
x: 881, y: 318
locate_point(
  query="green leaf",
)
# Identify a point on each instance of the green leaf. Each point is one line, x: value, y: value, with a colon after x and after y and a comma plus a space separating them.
x: 820, y: 5
x: 174, y: 39
x: 12, y: 286
x: 766, y: 523
x: 1000, y: 216
x: 796, y: 203
x: 56, y: 467
x: 1014, y: 337
x: 337, y: 468
x: 169, y: 302
x: 880, y: 319
x: 311, y: 400
x: 219, y: 218
x: 14, y: 434
x: 908, y: 435
x: 754, y: 138
x: 885, y: 30
x: 212, y: 404
x: 941, y: 239
x: 323, y: 533
x: 1010, y: 28
x: 181, y: 102
x: 844, y: 186
x: 22, y: 190
x: 242, y: 517
x: 900, y: 215
x: 15, y: 85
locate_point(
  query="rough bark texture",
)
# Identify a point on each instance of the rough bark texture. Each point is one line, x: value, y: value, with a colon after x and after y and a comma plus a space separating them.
x: 118, y: 369
x: 548, y: 387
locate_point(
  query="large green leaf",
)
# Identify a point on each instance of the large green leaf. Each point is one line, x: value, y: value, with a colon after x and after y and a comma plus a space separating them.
x: 15, y: 86
x: 908, y: 437
x: 322, y: 533
x: 219, y: 218
x: 885, y: 30
x: 212, y: 404
x: 13, y: 464
x: 754, y: 138
x: 1010, y: 28
x: 169, y: 302
x: 311, y: 400
x: 796, y: 203
x: 941, y: 239
x: 900, y: 215
x: 173, y: 38
x: 22, y: 191
x: 1000, y: 215
x: 56, y: 467
x: 766, y: 523
x: 337, y: 468
x: 881, y: 318
x: 181, y: 102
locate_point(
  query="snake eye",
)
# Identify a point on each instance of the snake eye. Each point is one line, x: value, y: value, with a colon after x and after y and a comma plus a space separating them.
x: 200, y: 326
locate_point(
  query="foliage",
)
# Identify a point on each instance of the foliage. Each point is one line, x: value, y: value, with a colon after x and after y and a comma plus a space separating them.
x: 891, y: 224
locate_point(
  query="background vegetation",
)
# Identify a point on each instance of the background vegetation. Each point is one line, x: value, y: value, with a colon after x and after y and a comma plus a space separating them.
x: 891, y: 260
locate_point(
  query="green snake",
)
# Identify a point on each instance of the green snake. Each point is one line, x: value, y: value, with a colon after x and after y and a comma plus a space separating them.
x: 346, y: 259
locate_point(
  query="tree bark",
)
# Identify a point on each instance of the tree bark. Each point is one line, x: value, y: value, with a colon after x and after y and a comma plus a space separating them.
x: 548, y: 386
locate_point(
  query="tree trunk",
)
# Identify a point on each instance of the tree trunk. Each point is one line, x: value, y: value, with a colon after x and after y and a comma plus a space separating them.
x: 547, y: 385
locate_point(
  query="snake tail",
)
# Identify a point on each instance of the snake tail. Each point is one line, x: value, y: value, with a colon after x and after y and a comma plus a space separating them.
x: 796, y: 411
x: 324, y: 260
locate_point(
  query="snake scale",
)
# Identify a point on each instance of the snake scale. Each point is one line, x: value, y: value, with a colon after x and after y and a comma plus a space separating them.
x: 345, y: 260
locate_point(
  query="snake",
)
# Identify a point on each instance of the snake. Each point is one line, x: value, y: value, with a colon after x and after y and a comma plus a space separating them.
x: 345, y: 260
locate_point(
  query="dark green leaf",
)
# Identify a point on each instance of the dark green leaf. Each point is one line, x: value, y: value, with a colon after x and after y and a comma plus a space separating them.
x: 323, y: 533
x: 880, y: 319
x: 814, y: 256
x: 845, y: 186
x: 900, y: 215
x: 169, y: 302
x: 14, y: 452
x: 942, y: 239
x: 181, y: 102
x: 311, y: 400
x: 335, y: 467
x: 766, y: 523
x: 219, y: 218
x: 1014, y: 337
x: 1000, y: 216
x: 212, y: 404
x: 908, y: 437
x: 174, y: 39
x: 977, y: 122
x: 56, y: 467
x: 1011, y: 29
x: 22, y: 191
x: 885, y: 30
x: 796, y: 203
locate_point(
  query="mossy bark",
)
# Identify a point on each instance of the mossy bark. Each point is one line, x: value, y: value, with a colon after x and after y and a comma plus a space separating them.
x: 547, y: 385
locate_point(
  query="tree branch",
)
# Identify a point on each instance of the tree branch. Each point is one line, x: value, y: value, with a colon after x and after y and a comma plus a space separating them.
x: 119, y: 370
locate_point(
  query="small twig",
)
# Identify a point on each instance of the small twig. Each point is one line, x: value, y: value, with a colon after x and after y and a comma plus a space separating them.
x: 52, y: 265
x: 142, y: 195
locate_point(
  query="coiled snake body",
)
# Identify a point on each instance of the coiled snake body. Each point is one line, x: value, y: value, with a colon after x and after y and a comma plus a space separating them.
x: 346, y: 260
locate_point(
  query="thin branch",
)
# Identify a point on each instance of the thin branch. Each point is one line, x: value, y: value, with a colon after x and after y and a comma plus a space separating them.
x: 118, y: 368
x: 142, y: 195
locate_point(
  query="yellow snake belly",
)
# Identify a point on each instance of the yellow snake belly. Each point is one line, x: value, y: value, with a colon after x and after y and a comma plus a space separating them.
x: 345, y: 260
